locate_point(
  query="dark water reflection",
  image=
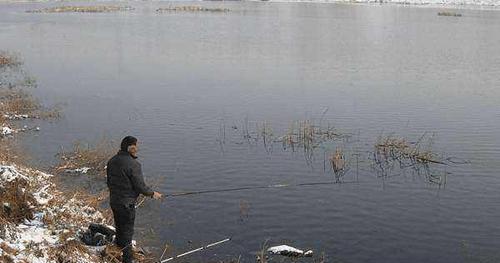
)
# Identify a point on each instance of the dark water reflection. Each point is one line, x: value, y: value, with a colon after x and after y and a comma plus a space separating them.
x: 172, y: 79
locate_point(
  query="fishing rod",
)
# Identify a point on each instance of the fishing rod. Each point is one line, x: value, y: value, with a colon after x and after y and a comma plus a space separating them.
x: 252, y: 188
x: 195, y: 250
x: 234, y: 189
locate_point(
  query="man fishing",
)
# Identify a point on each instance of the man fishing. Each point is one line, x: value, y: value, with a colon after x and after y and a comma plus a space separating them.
x: 126, y: 183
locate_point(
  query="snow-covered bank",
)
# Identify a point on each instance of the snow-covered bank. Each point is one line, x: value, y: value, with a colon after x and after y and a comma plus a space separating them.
x: 39, y: 223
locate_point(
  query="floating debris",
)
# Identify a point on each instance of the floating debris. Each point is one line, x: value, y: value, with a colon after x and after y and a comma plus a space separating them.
x: 289, y: 251
x: 449, y: 14
x: 191, y: 8
x: 83, y: 9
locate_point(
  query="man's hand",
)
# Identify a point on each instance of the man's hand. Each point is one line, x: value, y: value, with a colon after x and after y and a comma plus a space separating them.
x: 157, y: 195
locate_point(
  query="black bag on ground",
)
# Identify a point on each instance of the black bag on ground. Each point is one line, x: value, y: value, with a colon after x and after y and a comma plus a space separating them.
x: 98, y: 235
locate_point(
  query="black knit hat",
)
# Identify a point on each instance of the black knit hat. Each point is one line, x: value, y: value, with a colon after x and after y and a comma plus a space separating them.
x: 126, y: 142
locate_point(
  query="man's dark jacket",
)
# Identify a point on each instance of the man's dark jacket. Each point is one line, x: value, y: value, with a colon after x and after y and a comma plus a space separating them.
x: 125, y: 180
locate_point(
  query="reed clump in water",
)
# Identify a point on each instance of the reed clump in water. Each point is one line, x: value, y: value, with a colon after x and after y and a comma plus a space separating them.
x: 338, y: 164
x: 19, y: 104
x: 447, y: 13
x: 16, y: 101
x: 398, y: 153
x: 303, y: 135
x: 399, y: 149
x: 307, y: 135
x: 191, y: 8
x: 83, y: 9
x: 85, y: 158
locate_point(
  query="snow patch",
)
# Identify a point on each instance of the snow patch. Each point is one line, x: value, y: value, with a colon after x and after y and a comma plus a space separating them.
x: 289, y: 251
x: 37, y: 239
x: 82, y: 170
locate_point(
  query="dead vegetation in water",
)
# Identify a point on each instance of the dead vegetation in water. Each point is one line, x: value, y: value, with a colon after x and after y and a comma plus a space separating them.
x: 307, y: 135
x: 11, y: 151
x: 407, y: 153
x: 18, y: 105
x: 338, y: 164
x: 192, y: 8
x: 12, y: 73
x: 304, y: 136
x: 16, y: 101
x: 83, y: 9
x: 447, y: 13
x: 86, y: 158
x: 393, y: 153
x: 300, y: 135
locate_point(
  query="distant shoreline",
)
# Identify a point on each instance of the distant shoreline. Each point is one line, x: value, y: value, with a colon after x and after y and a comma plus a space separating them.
x: 492, y: 5
x: 489, y: 5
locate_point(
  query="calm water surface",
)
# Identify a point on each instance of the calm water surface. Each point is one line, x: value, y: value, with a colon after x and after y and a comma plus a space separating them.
x: 175, y: 79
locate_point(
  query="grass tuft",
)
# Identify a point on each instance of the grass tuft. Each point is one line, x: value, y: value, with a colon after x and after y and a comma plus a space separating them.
x: 83, y: 9
x: 83, y: 155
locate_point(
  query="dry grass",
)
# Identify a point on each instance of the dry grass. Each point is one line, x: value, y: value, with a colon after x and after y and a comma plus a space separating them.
x: 400, y: 149
x: 396, y: 153
x: 337, y: 161
x: 6, y: 259
x: 191, y: 8
x: 70, y: 252
x: 12, y: 72
x: 17, y: 102
x: 94, y: 157
x: 7, y: 249
x: 307, y: 135
x: 338, y: 164
x: 83, y: 9
x: 113, y: 254
x: 12, y: 152
x: 16, y: 202
x: 9, y: 59
x: 445, y: 13
x: 261, y: 256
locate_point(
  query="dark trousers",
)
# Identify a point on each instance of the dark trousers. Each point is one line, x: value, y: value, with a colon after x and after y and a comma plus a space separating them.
x: 124, y: 216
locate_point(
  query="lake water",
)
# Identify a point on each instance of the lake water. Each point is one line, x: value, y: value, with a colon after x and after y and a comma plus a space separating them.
x: 175, y: 80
